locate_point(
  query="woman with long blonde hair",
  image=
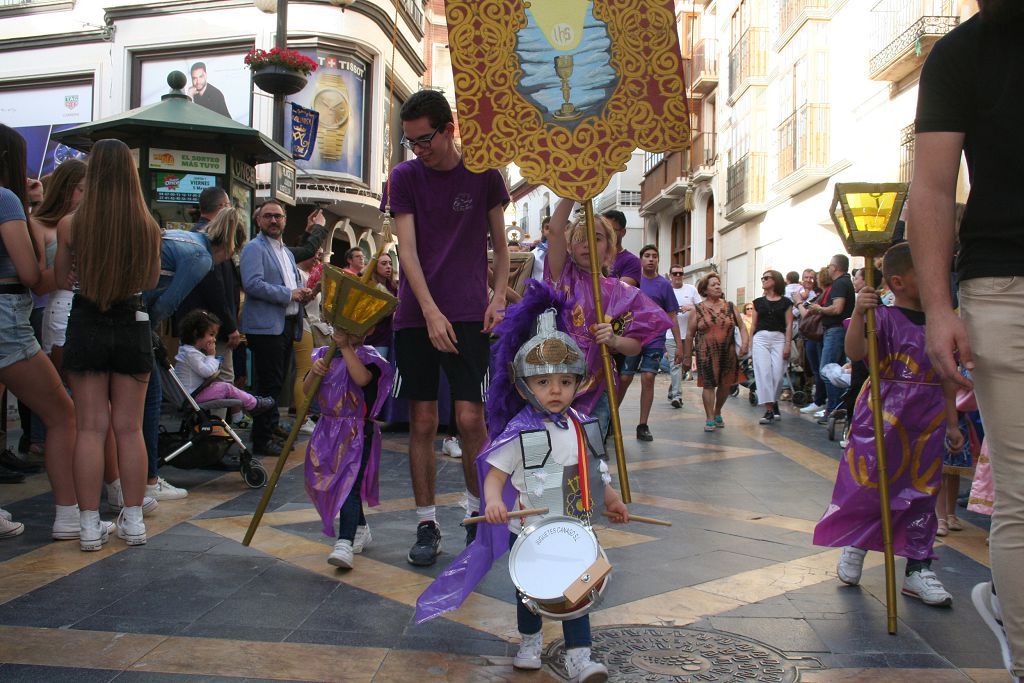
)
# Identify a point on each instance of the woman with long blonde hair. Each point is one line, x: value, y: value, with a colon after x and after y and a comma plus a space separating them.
x: 113, y: 242
x: 23, y: 369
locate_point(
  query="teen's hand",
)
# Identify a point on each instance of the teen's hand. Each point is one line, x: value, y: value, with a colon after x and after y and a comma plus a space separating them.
x: 315, y: 220
x: 866, y: 300
x: 441, y: 332
x: 603, y: 334
x: 945, y: 335
x: 496, y: 512
x: 234, y: 339
x: 320, y: 367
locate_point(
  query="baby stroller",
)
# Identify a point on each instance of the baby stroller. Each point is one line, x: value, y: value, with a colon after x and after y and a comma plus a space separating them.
x: 790, y: 387
x: 202, y: 439
x: 841, y: 415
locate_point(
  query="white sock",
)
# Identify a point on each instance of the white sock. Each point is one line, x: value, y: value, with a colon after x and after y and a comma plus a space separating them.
x: 472, y: 504
x: 67, y: 512
x: 426, y: 514
x: 112, y: 490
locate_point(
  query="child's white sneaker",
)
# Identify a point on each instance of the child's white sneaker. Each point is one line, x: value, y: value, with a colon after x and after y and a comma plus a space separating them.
x: 528, y: 656
x: 581, y: 669
x: 926, y: 587
x: 450, y: 447
x: 115, y: 498
x: 8, y: 527
x: 851, y: 564
x: 342, y: 555
x: 92, y: 531
x: 363, y: 538
x: 130, y: 526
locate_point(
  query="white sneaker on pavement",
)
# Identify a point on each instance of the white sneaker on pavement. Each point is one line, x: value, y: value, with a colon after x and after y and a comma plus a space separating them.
x: 8, y: 527
x: 130, y: 526
x: 4, y: 514
x: 307, y: 427
x: 528, y: 656
x: 987, y: 604
x: 810, y: 408
x: 163, y: 490
x: 450, y: 447
x: 363, y: 538
x: 851, y: 564
x: 581, y: 669
x: 820, y: 413
x: 115, y: 498
x: 341, y: 556
x: 93, y: 532
x: 926, y: 587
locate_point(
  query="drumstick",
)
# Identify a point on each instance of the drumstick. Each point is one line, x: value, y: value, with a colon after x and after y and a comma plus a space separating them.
x: 638, y: 518
x: 511, y: 515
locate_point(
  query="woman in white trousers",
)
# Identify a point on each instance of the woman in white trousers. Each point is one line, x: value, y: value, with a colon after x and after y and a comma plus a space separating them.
x: 773, y: 332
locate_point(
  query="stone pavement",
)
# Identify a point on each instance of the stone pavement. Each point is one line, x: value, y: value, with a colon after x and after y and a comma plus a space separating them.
x: 734, y: 590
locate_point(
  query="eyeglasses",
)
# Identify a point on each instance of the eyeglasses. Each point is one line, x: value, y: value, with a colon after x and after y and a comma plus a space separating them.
x: 423, y: 141
x: 273, y: 216
x: 676, y: 274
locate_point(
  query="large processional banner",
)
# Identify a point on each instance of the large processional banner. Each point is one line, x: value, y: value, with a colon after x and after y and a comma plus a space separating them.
x: 566, y: 89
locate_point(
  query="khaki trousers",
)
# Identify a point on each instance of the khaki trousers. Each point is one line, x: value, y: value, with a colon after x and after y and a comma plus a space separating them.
x: 991, y: 309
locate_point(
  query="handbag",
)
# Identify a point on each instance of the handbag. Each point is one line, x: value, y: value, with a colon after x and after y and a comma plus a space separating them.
x: 810, y: 326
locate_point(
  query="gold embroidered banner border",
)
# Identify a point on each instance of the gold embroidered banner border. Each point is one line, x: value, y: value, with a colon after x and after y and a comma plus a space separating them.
x: 647, y: 109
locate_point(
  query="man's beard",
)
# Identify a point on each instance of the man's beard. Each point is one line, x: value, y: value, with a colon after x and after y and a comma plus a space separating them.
x: 1001, y: 9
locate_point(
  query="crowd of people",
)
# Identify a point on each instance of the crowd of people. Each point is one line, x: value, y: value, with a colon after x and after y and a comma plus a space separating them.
x: 89, y: 378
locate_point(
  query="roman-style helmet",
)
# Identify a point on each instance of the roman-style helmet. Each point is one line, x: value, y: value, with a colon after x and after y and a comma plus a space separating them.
x: 548, y: 352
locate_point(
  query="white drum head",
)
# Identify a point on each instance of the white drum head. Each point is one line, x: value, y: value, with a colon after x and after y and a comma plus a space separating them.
x: 549, y: 555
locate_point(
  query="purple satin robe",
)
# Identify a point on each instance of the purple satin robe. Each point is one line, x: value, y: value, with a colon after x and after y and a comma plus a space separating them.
x: 915, y: 425
x: 335, y: 450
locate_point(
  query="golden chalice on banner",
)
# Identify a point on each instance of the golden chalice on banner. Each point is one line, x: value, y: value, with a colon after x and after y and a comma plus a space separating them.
x: 561, y: 22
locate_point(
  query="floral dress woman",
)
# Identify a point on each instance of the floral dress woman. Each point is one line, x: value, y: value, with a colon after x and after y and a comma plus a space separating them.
x: 715, y: 346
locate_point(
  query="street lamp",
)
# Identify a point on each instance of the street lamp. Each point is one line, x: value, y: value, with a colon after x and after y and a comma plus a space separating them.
x: 865, y: 214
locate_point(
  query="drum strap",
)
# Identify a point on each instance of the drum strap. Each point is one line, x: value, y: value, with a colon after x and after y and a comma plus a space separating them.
x: 582, y: 461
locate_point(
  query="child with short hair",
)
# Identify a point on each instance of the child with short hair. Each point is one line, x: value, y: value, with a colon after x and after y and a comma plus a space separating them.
x: 195, y: 365
x: 920, y: 411
x: 533, y: 388
x: 343, y: 455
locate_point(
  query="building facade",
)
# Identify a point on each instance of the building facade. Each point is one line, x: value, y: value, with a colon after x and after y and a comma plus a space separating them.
x: 788, y: 98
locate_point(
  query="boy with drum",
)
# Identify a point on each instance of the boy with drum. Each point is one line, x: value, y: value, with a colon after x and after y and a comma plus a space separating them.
x: 540, y: 455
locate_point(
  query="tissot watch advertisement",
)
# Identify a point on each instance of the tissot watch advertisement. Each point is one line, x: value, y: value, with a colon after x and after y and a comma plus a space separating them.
x: 220, y: 82
x: 337, y: 92
x: 37, y: 113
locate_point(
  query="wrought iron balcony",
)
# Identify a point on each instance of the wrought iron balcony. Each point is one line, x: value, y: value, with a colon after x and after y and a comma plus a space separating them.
x: 903, y: 32
x: 745, y: 186
x: 705, y: 66
x: 793, y: 13
x: 748, y: 61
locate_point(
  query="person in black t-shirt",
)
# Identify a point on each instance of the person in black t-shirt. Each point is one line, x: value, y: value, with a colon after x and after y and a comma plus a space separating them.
x: 970, y: 98
x: 837, y: 307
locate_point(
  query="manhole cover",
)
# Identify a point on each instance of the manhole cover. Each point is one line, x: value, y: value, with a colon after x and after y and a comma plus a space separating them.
x: 684, y: 655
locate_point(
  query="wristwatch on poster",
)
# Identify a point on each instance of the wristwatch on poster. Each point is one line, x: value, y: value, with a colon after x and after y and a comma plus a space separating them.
x: 331, y: 101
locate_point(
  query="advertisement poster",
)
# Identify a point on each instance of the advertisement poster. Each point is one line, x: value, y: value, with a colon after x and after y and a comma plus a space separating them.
x: 337, y: 91
x: 219, y: 82
x: 37, y: 113
x: 182, y: 188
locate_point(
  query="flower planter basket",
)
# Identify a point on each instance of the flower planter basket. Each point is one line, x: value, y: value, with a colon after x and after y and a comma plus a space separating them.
x: 278, y: 80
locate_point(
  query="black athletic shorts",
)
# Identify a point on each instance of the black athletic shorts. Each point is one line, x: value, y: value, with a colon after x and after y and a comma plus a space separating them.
x: 419, y: 363
x: 108, y: 341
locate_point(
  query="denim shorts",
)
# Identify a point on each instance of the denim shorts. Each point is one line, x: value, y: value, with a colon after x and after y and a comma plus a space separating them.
x: 17, y: 341
x: 647, y: 360
x: 108, y: 341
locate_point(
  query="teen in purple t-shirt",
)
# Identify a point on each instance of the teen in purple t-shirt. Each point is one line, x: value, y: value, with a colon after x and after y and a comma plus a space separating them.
x: 626, y: 266
x: 443, y: 215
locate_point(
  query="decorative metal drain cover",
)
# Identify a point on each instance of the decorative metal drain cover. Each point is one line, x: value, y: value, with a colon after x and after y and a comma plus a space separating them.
x: 684, y: 655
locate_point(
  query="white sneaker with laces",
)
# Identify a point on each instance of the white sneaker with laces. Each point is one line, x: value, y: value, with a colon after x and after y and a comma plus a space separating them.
x: 851, y: 564
x: 810, y: 408
x: 926, y: 587
x: 162, y: 490
x: 130, y: 526
x: 987, y: 604
x: 820, y: 413
x: 581, y: 669
x: 115, y: 498
x: 93, y: 532
x: 8, y: 527
x: 341, y: 556
x: 450, y: 447
x: 528, y: 656
x: 307, y: 427
x: 363, y: 538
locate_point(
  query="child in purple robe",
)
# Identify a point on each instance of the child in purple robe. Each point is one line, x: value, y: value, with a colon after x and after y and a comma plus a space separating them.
x: 343, y: 455
x: 920, y: 411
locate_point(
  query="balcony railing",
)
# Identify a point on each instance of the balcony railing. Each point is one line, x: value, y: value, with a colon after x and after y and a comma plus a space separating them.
x: 705, y: 66
x: 803, y: 139
x: 748, y: 59
x: 791, y: 11
x: 903, y: 32
x: 745, y: 183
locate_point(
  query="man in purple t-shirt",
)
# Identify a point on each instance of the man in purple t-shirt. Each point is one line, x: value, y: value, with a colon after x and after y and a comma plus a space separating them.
x: 626, y: 266
x: 647, y: 361
x: 443, y: 215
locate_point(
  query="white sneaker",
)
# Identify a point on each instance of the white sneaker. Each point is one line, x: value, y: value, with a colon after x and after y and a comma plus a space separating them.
x: 810, y: 408
x: 130, y: 526
x: 450, y: 447
x: 115, y: 498
x: 987, y: 604
x: 93, y: 532
x: 581, y: 669
x: 820, y: 413
x: 66, y: 523
x: 307, y: 427
x: 851, y: 564
x: 162, y: 490
x: 341, y: 556
x: 528, y: 656
x: 926, y: 587
x: 8, y: 527
x: 363, y: 538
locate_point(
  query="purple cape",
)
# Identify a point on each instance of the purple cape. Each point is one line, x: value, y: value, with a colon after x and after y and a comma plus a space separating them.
x: 335, y: 450
x: 457, y: 581
x: 632, y: 312
x: 914, y: 430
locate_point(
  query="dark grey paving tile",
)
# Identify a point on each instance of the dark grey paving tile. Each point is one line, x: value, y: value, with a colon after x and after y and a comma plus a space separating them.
x: 152, y: 677
x: 778, y: 607
x: 247, y: 632
x: 351, y: 609
x: 848, y: 637
x: 917, y: 661
x: 783, y: 634
x: 23, y: 673
x: 152, y: 624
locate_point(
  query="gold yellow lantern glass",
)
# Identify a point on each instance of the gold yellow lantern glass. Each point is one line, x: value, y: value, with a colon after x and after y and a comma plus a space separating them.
x: 353, y: 305
x: 865, y: 214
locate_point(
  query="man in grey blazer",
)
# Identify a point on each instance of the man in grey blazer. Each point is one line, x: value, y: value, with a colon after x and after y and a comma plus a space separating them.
x: 271, y: 318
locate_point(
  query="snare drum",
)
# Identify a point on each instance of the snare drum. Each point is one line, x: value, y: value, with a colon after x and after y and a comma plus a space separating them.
x: 548, y: 558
